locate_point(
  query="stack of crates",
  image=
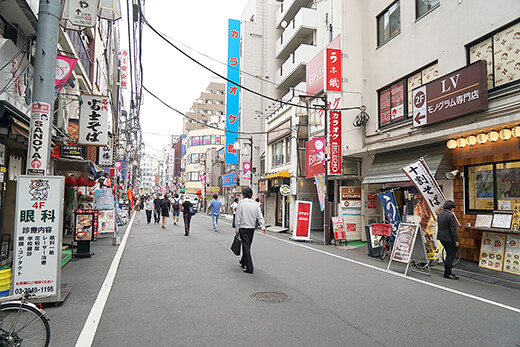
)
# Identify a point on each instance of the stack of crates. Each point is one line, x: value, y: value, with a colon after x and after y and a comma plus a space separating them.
x: 5, y: 281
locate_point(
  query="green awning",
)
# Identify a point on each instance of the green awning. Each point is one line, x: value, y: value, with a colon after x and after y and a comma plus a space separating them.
x: 386, y: 167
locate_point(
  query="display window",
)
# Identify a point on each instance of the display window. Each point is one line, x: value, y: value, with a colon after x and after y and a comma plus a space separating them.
x: 492, y: 187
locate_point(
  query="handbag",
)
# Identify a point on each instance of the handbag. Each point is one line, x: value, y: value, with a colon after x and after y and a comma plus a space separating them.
x: 191, y: 211
x: 235, y: 246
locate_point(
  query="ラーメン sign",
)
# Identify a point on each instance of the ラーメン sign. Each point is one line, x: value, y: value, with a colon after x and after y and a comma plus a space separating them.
x: 37, y: 235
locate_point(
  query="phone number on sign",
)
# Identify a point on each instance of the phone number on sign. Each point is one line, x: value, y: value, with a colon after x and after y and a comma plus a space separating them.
x: 35, y: 290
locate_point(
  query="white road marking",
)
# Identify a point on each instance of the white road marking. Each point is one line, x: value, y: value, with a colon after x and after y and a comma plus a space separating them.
x: 86, y: 337
x: 454, y: 291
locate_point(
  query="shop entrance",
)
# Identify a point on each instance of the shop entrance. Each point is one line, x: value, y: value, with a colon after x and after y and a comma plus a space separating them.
x: 282, y: 218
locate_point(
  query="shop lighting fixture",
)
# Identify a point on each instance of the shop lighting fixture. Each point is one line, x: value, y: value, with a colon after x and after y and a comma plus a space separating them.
x: 493, y: 136
x: 505, y: 134
x: 451, y: 144
x: 471, y: 140
x: 482, y: 138
x: 461, y: 142
x: 516, y: 131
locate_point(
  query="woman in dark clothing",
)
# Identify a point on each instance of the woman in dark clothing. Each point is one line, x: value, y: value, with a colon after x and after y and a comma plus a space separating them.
x: 448, y: 236
x: 185, y: 208
x: 165, y: 210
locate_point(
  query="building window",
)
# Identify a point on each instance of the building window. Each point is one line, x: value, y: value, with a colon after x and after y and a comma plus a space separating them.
x: 395, y: 101
x: 278, y: 153
x: 492, y: 187
x: 424, y: 6
x: 287, y: 149
x: 389, y: 23
x: 501, y: 51
x: 192, y: 176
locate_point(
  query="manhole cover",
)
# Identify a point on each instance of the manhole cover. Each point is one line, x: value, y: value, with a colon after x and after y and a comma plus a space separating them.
x: 270, y: 297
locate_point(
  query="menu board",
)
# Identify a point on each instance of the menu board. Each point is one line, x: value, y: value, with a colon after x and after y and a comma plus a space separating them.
x: 107, y: 221
x: 83, y: 228
x: 502, y: 220
x: 492, y: 251
x: 483, y: 220
x: 338, y: 228
x: 404, y: 242
x: 515, y: 225
x: 512, y: 254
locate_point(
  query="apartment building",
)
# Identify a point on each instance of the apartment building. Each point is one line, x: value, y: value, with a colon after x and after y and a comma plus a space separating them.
x: 208, y: 109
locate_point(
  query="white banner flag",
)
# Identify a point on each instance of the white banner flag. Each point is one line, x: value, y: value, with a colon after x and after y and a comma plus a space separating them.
x: 93, y: 121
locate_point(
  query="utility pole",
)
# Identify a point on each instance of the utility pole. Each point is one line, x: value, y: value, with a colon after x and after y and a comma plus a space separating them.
x: 38, y: 153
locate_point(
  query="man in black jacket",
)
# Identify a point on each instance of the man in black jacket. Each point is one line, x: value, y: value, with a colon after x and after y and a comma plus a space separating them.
x: 448, y: 236
x: 157, y: 209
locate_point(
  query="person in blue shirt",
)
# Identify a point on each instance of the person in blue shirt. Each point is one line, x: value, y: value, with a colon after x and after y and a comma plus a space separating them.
x: 216, y: 206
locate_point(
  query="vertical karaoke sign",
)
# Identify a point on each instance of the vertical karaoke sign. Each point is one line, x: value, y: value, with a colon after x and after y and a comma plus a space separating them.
x: 232, y: 91
x: 333, y: 87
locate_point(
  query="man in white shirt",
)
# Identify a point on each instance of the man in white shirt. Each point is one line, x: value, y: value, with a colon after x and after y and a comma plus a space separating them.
x: 247, y: 215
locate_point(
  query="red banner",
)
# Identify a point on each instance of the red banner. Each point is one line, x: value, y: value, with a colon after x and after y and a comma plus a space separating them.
x: 303, y: 220
x: 335, y: 142
x: 315, y: 154
x: 64, y: 67
x: 333, y: 72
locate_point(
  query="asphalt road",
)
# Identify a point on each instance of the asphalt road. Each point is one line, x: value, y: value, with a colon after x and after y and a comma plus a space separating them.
x: 173, y: 290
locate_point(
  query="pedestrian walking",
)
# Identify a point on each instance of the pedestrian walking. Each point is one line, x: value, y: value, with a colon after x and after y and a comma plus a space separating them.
x: 137, y: 209
x: 448, y: 236
x: 176, y: 209
x: 233, y: 208
x: 186, y: 209
x: 215, y: 206
x: 157, y: 209
x: 165, y: 209
x: 148, y: 206
x: 247, y: 215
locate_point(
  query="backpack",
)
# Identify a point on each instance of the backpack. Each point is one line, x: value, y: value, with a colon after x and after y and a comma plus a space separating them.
x: 176, y: 205
x: 165, y: 204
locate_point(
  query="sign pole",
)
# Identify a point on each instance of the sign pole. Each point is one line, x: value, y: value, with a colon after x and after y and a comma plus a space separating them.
x: 38, y: 156
x: 326, y: 211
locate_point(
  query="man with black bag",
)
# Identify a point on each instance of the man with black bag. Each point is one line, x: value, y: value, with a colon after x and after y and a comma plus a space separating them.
x: 247, y: 215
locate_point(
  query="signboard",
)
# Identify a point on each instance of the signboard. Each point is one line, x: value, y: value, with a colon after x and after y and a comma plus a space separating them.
x: 125, y: 59
x: 333, y: 70
x: 93, y: 121
x: 315, y: 154
x: 502, y: 220
x: 285, y: 190
x: 64, y: 67
x: 426, y: 184
x: 492, y: 251
x: 316, y: 70
x: 483, y: 221
x: 302, y: 231
x: 39, y: 140
x: 320, y: 188
x: 74, y: 152
x: 263, y: 186
x: 232, y: 91
x: 334, y: 123
x: 106, y: 221
x: 85, y: 225
x: 512, y: 254
x: 246, y: 171
x: 106, y: 154
x: 229, y: 180
x: 338, y: 228
x: 457, y: 94
x: 391, y: 210
x: 37, y: 235
x: 404, y: 241
x: 515, y: 223
x: 82, y: 13
x: 350, y: 197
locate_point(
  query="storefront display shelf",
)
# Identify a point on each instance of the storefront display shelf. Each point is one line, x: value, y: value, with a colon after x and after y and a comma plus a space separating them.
x: 494, y: 230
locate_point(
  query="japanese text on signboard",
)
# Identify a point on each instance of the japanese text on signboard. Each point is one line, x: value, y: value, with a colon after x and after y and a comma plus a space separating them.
x: 93, y: 126
x: 232, y: 91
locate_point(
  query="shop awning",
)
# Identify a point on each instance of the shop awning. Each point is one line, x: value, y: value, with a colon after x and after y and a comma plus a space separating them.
x: 386, y: 167
x: 64, y: 166
x: 279, y: 174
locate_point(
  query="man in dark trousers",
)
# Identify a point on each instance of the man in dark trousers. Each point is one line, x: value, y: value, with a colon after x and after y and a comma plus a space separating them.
x: 448, y: 236
x: 157, y: 209
x: 246, y: 217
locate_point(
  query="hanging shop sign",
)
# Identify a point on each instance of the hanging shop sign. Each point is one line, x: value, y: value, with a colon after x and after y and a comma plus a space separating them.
x: 39, y: 140
x: 38, y: 230
x: 319, y: 180
x: 334, y: 135
x: 232, y: 91
x: 302, y: 231
x: 73, y: 152
x: 229, y: 180
x: 64, y: 67
x: 246, y: 171
x: 457, y: 94
x: 106, y: 154
x: 391, y: 210
x: 315, y: 154
x: 263, y: 186
x: 125, y: 58
x: 93, y: 121
x: 82, y: 13
x: 333, y: 70
x: 422, y: 178
x: 285, y: 190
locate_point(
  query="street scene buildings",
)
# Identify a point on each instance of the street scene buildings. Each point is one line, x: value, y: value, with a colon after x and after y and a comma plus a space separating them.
x: 352, y: 122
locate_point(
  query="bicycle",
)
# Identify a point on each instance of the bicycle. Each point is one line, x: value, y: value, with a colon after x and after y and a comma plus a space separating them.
x: 435, y: 251
x: 22, y: 323
x: 385, y: 243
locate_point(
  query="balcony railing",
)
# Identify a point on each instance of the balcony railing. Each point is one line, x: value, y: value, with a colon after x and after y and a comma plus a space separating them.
x: 300, y: 30
x: 82, y: 51
x: 287, y: 10
x: 292, y: 70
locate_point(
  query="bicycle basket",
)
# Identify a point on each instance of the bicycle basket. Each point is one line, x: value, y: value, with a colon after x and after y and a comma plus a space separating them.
x: 380, y: 229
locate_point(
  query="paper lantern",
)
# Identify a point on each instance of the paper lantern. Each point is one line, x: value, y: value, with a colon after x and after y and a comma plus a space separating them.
x: 83, y: 181
x: 482, y: 138
x: 461, y: 142
x: 471, y: 140
x: 71, y: 180
x: 505, y: 134
x: 493, y: 136
x: 451, y: 144
x: 516, y: 131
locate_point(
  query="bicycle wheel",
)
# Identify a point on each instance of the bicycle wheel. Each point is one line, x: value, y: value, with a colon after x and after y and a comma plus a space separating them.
x: 457, y: 256
x: 383, y: 252
x: 420, y: 264
x: 23, y: 325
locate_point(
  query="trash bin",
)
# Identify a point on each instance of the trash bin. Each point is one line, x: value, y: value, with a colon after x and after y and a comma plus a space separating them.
x: 372, y: 252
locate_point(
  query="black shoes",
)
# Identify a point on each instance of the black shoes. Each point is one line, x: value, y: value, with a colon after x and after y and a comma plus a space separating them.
x: 247, y: 271
x: 452, y: 277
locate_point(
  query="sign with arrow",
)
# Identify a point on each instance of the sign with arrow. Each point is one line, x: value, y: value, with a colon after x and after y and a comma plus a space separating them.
x: 83, y: 13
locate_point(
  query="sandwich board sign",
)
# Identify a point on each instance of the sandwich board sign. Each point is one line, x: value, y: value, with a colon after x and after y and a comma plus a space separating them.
x: 409, y: 246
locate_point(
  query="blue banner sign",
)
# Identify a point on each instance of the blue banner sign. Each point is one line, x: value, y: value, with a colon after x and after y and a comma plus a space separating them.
x: 229, y: 180
x: 391, y: 210
x: 232, y: 91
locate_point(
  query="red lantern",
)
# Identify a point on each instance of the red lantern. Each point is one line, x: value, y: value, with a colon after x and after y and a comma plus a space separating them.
x: 83, y: 181
x: 71, y: 180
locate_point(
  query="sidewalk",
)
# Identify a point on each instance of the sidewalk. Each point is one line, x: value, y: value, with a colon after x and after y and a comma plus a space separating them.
x: 465, y: 268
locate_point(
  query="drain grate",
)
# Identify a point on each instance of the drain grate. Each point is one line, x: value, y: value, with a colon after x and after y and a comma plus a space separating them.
x: 270, y: 297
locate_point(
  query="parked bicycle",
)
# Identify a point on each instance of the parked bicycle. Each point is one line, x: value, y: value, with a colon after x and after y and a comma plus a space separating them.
x: 22, y: 323
x: 385, y: 243
x: 436, y: 252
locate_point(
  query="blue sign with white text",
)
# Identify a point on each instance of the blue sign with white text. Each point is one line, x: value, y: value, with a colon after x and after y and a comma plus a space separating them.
x: 232, y: 91
x: 229, y: 180
x: 391, y: 210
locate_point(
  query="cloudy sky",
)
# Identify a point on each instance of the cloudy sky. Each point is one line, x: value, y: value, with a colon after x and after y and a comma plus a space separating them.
x: 199, y: 24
